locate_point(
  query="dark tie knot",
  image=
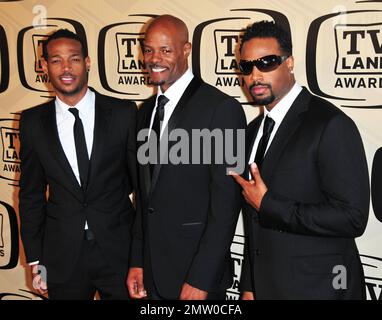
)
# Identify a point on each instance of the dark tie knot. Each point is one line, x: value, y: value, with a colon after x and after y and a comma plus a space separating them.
x: 162, y: 100
x: 74, y: 111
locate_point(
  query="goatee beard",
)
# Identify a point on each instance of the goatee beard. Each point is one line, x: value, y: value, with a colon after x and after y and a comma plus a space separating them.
x: 264, y: 101
x: 71, y: 93
x: 158, y: 83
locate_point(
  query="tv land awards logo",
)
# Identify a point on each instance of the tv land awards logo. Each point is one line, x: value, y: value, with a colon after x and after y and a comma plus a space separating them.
x: 38, y: 40
x: 359, y: 50
x: 344, y: 57
x: 9, y: 237
x: 30, y: 39
x: 225, y: 35
x: 1, y: 236
x: 373, y: 271
x: 125, y: 74
x: 10, y: 151
x: 4, y: 61
x: 237, y: 254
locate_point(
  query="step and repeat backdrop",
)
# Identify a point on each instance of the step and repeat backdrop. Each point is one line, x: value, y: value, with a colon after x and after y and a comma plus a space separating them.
x: 337, y: 51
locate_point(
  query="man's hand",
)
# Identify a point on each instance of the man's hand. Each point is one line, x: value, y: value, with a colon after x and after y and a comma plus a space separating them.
x: 253, y: 190
x: 247, y: 295
x: 39, y: 279
x: 135, y: 283
x: 191, y: 293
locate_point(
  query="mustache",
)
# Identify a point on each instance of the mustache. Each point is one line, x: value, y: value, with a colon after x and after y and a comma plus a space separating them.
x: 67, y: 75
x: 156, y: 66
x: 257, y: 83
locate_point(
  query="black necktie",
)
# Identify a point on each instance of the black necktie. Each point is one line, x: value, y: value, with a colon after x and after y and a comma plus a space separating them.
x: 157, y: 124
x: 81, y: 149
x: 267, y: 130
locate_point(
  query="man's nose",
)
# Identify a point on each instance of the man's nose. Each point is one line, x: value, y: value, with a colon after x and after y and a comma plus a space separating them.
x: 156, y: 57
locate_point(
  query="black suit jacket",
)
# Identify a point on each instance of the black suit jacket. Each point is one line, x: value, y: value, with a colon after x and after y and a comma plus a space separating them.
x: 188, y: 212
x: 376, y: 184
x: 316, y: 204
x: 52, y: 223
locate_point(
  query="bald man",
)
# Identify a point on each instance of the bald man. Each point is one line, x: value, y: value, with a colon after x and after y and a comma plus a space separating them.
x: 187, y: 212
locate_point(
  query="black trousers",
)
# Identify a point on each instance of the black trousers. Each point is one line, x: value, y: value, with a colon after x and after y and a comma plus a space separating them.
x: 92, y: 273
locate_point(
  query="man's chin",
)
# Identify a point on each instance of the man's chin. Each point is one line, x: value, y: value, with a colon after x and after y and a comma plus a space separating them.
x: 69, y: 92
x: 263, y: 101
x: 158, y: 82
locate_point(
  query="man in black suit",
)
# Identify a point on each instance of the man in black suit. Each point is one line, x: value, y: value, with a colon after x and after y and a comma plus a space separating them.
x: 307, y: 197
x: 78, y: 167
x: 188, y: 211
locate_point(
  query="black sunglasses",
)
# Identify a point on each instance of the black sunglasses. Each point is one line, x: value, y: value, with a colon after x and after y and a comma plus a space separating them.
x: 264, y: 64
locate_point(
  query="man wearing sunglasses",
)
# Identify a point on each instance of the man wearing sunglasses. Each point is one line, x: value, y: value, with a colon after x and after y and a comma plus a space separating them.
x: 307, y: 189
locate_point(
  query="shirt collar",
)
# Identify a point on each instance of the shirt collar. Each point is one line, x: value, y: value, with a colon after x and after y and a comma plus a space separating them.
x: 176, y: 90
x: 280, y: 109
x: 84, y: 105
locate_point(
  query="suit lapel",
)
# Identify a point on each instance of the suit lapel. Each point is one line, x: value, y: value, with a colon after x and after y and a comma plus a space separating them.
x: 182, y: 104
x: 287, y: 128
x: 49, y: 122
x: 176, y: 117
x: 103, y: 114
x: 145, y: 124
x: 251, y: 135
x: 252, y: 131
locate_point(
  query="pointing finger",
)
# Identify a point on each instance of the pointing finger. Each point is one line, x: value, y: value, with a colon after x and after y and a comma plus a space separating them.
x: 238, y: 178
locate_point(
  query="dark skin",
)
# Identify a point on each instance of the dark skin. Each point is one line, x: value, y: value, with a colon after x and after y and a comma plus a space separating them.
x: 166, y: 52
x: 67, y: 69
x: 266, y: 88
x: 38, y: 282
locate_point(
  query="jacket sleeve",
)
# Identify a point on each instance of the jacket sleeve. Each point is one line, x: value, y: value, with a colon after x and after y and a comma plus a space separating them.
x: 376, y: 184
x: 32, y: 194
x: 343, y: 176
x: 210, y: 261
x: 136, y: 252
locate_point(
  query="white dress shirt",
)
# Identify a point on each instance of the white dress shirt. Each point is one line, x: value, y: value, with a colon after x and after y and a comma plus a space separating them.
x: 65, y: 122
x: 173, y: 93
x: 277, y: 113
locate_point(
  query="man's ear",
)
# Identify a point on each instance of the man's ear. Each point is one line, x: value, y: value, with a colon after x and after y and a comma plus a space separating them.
x: 187, y: 48
x: 87, y: 63
x: 290, y: 63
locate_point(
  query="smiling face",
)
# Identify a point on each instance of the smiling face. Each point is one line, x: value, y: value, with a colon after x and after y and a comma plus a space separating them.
x: 267, y: 88
x: 166, y: 51
x: 67, y: 69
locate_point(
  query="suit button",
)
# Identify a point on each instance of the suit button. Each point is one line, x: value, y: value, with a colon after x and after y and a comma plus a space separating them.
x: 257, y: 252
x: 151, y: 210
x: 84, y: 204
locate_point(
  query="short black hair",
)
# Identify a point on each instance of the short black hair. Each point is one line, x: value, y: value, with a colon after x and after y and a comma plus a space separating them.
x: 269, y: 29
x: 67, y: 34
